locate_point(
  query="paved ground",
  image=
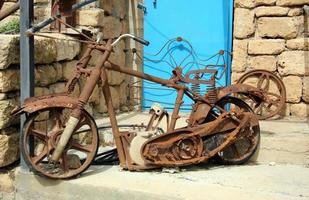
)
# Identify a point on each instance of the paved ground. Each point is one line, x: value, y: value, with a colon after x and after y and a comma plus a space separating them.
x: 281, y: 172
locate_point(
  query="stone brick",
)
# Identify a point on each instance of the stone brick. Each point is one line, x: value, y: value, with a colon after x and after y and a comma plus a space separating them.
x: 123, y: 93
x: 65, y: 49
x: 287, y: 110
x: 271, y: 11
x: 293, y: 88
x: 47, y: 74
x: 240, y: 54
x: 39, y: 91
x: 101, y: 107
x: 68, y: 69
x: 278, y: 27
x: 295, y: 12
x: 9, y: 50
x: 298, y: 44
x: 95, y: 96
x: 112, y: 27
x: 263, y: 62
x: 45, y: 50
x: 7, y: 187
x: 115, y: 8
x: 244, y: 3
x: 119, y: 56
x: 300, y: 110
x: 269, y: 46
x: 243, y: 23
x: 3, y: 96
x: 6, y: 106
x: 292, y: 62
x: 90, y: 17
x: 57, y: 88
x: 236, y: 76
x: 8, y: 5
x: 115, y: 97
x: 41, y: 1
x: 292, y: 2
x: 305, y: 96
x: 115, y: 78
x: 41, y: 12
x: 106, y: 5
x: 264, y: 2
x: 9, y: 151
x: 9, y: 80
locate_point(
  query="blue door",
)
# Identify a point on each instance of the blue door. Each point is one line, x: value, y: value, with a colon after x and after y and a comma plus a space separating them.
x: 192, y: 32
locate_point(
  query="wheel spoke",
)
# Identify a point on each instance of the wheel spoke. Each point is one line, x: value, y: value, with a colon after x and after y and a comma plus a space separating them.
x: 83, y: 121
x: 40, y: 157
x: 39, y: 134
x: 75, y: 145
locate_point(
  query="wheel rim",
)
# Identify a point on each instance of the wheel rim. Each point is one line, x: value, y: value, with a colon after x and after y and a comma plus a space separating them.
x: 246, y: 144
x: 41, y: 135
x: 273, y: 89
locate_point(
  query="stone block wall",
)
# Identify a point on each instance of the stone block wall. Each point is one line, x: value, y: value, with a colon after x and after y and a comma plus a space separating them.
x: 273, y: 35
x: 55, y: 60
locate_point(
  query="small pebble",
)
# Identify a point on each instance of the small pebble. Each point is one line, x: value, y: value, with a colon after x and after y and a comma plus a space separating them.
x: 272, y: 164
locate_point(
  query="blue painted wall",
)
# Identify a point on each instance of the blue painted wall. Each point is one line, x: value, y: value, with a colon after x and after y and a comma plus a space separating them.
x: 206, y: 24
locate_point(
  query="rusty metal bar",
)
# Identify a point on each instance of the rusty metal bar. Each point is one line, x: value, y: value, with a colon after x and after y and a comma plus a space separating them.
x: 126, y: 70
x: 175, y: 114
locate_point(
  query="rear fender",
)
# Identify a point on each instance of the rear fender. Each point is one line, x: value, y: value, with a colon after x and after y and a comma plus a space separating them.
x: 248, y: 90
x: 34, y: 104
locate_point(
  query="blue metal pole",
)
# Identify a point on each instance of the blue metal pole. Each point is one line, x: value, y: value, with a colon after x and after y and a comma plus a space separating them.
x: 26, y: 60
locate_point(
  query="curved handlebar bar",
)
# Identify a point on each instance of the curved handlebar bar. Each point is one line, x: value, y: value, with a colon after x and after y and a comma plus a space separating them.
x: 140, y: 40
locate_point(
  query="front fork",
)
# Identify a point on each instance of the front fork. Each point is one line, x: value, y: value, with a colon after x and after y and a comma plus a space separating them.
x: 91, y: 82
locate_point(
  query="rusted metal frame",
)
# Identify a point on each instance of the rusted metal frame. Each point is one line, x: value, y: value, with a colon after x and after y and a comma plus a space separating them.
x: 82, y: 100
x: 169, y: 83
x: 230, y: 139
x: 9, y: 11
x: 175, y: 114
x: 34, y: 104
x: 64, y: 8
x: 92, y: 80
x: 112, y: 117
x: 265, y: 77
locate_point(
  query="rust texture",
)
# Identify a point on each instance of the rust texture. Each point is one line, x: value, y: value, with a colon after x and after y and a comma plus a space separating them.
x: 64, y: 8
x: 273, y: 89
x: 219, y: 126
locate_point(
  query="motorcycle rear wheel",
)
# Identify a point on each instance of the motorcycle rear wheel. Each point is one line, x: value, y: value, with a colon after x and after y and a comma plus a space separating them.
x: 244, y: 148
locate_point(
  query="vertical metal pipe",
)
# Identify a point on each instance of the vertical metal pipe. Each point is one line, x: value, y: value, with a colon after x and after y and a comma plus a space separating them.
x: 175, y: 114
x: 26, y: 59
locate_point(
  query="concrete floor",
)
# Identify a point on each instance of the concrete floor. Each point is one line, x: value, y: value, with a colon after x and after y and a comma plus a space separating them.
x: 281, y: 172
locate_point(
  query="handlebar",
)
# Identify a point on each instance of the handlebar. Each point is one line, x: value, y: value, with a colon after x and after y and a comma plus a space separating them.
x: 138, y: 39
